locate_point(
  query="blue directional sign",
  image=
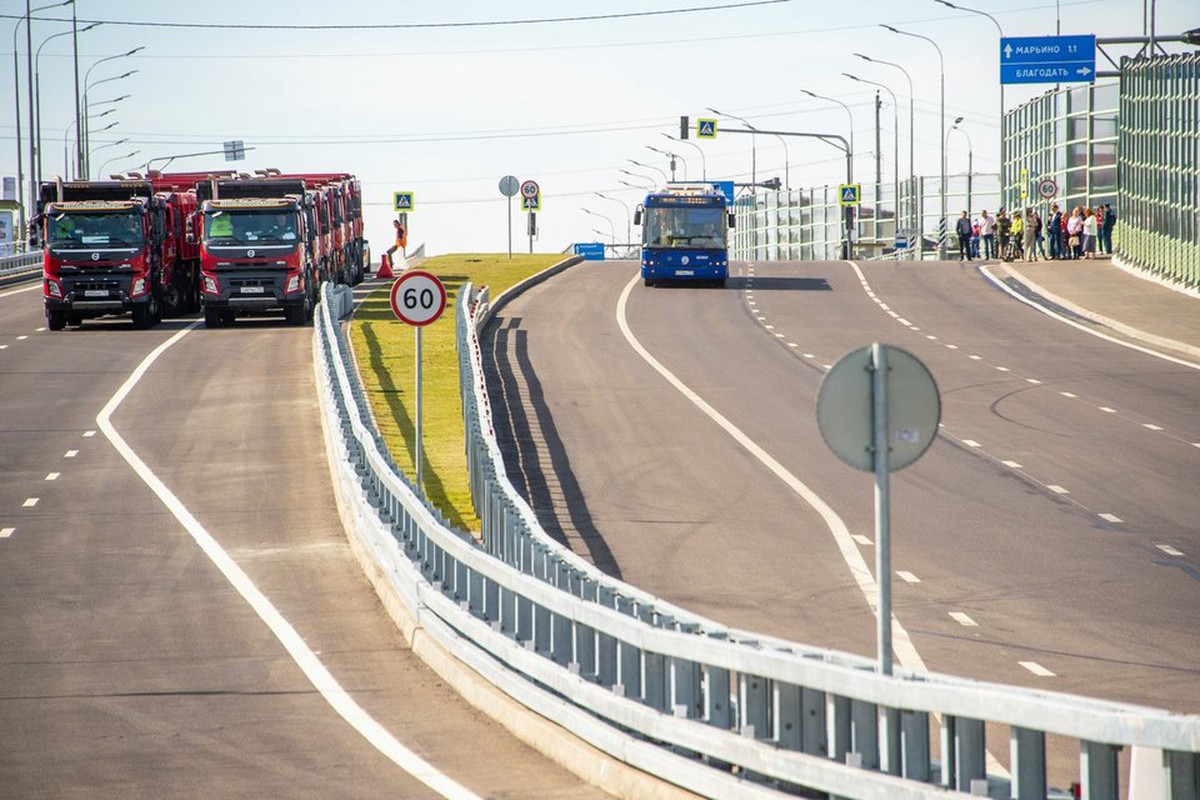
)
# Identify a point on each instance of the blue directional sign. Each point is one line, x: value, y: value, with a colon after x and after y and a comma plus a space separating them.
x: 1048, y: 59
x: 591, y: 251
x: 725, y: 188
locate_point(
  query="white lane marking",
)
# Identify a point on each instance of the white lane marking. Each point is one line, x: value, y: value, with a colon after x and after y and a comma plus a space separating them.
x: 22, y: 338
x: 810, y: 355
x: 792, y: 344
x: 7, y: 532
x: 893, y: 315
x: 1149, y: 426
x: 1166, y: 548
x: 1033, y: 381
x: 1037, y: 669
x: 324, y: 682
x: 39, y: 330
x: 53, y: 476
x: 903, y: 321
x: 1110, y: 517
x: 70, y: 454
x: 975, y: 358
x: 1056, y: 489
x: 971, y: 443
x: 863, y: 540
x: 3, y: 347
x: 88, y: 434
x: 1069, y: 394
x: 30, y: 502
x: 1005, y: 287
x: 769, y: 327
x: 1003, y: 369
x: 779, y: 336
x: 951, y: 347
x: 907, y: 576
x: 36, y: 287
x: 885, y: 306
x: 963, y: 619
x: 1108, y: 410
x: 1011, y: 464
x: 1195, y: 444
x: 906, y: 652
x: 930, y: 337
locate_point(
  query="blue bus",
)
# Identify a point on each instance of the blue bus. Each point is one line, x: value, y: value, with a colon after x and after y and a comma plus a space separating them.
x: 685, y: 231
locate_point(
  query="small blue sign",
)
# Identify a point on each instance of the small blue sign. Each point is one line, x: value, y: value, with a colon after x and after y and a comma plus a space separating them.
x: 1048, y: 59
x: 901, y: 242
x: 725, y: 188
x: 591, y: 251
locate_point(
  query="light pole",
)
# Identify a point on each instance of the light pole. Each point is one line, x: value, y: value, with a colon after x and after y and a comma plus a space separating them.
x: 648, y: 166
x: 37, y: 90
x: 970, y: 156
x: 635, y: 186
x: 895, y: 138
x: 87, y: 134
x: 628, y: 216
x: 612, y: 228
x: 116, y: 158
x: 753, y: 148
x: 911, y: 116
x: 1000, y: 31
x: 849, y: 115
x: 66, y: 135
x: 699, y: 149
x: 17, y: 100
x: 941, y: 128
x: 671, y: 156
x: 107, y: 127
x: 600, y: 233
x: 639, y: 177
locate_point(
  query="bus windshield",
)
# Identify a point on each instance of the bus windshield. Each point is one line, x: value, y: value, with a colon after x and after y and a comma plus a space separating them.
x: 73, y: 230
x: 241, y: 226
x: 687, y: 227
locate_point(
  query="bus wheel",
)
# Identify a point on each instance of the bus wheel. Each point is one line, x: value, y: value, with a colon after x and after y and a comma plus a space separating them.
x: 647, y: 282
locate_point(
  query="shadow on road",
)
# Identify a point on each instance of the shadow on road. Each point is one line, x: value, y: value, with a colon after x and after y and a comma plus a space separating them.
x: 779, y: 284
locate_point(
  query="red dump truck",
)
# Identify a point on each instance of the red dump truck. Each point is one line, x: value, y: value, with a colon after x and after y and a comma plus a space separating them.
x: 116, y: 247
x: 340, y: 213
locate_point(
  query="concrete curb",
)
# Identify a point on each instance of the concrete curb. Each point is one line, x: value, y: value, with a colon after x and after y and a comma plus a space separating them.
x: 1108, y: 322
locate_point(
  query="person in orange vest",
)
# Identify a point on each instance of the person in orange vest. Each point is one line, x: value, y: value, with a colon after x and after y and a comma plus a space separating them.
x: 401, y: 240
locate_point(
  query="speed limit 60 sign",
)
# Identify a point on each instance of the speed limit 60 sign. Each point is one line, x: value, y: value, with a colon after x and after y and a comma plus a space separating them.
x: 418, y: 297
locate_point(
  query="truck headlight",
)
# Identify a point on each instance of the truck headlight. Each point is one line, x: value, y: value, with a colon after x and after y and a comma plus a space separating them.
x: 293, y: 284
x: 53, y: 289
x: 210, y: 285
x: 139, y: 287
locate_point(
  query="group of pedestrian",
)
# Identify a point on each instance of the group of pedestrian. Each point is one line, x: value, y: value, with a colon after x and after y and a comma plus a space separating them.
x: 1025, y: 236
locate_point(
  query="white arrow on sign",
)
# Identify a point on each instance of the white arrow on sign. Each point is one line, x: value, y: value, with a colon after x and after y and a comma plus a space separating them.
x: 1083, y: 71
x: 1008, y: 51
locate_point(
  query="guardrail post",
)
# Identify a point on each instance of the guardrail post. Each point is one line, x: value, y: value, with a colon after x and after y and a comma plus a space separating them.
x: 754, y: 696
x: 889, y: 741
x: 719, y: 711
x: 788, y: 715
x: 585, y: 635
x: 1028, y: 755
x: 837, y: 718
x: 1183, y: 775
x: 914, y: 742
x: 949, y: 756
x: 970, y: 752
x: 656, y: 680
x: 864, y: 733
x: 686, y: 679
x: 562, y: 637
x: 606, y: 645
x: 814, y: 734
x: 1098, y: 770
x: 629, y: 658
x: 541, y: 614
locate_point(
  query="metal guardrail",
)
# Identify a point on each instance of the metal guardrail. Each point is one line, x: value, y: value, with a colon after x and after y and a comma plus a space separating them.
x: 720, y: 712
x: 20, y: 266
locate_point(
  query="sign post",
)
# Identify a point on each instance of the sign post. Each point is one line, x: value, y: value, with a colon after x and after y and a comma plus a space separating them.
x: 418, y: 298
x: 531, y: 201
x: 508, y: 187
x: 878, y: 410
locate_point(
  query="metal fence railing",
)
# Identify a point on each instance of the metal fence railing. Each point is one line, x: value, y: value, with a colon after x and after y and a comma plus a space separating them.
x: 718, y: 711
x: 20, y: 267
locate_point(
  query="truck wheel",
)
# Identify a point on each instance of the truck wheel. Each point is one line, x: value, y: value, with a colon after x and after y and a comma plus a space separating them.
x: 75, y: 320
x: 296, y: 315
x: 212, y: 317
x: 143, y: 317
x: 56, y: 320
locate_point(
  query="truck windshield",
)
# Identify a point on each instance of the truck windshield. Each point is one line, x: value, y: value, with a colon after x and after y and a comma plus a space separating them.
x: 82, y: 231
x: 239, y: 226
x: 684, y: 227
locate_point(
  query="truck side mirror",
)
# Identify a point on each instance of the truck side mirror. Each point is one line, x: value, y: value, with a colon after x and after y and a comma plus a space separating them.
x: 35, y: 228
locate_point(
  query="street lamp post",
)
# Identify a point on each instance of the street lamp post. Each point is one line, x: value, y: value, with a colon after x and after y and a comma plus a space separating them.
x: 635, y: 186
x: 941, y: 128
x: 699, y: 149
x: 1000, y: 31
x: 37, y: 91
x: 753, y: 148
x: 67, y: 134
x: 895, y: 139
x: 912, y: 183
x: 970, y: 156
x: 639, y: 177
x: 849, y: 115
x: 87, y: 134
x: 115, y: 158
x: 607, y: 219
x: 673, y: 157
x: 648, y: 166
x: 628, y: 215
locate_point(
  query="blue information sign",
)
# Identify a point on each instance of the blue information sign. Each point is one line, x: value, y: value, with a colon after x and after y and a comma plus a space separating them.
x: 591, y: 251
x: 725, y: 188
x: 1048, y: 59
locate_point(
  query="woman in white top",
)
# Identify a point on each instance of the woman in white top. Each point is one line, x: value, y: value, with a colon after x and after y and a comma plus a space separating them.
x: 1090, y: 230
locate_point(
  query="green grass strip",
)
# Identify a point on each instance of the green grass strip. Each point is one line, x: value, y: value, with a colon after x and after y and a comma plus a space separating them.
x: 385, y: 349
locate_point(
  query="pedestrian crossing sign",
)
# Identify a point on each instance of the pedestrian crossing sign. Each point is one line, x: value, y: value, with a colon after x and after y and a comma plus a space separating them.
x: 706, y: 129
x: 850, y: 194
x: 402, y: 201
x: 532, y: 203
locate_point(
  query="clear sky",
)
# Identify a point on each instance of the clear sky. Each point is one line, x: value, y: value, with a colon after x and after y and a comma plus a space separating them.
x: 445, y: 111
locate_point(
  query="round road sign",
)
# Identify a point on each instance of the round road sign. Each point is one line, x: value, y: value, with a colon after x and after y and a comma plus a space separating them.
x: 1047, y: 188
x: 844, y: 411
x: 530, y: 189
x: 418, y: 297
x: 509, y: 185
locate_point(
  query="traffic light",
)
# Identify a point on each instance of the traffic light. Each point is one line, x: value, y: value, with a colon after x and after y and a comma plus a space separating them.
x: 683, y: 127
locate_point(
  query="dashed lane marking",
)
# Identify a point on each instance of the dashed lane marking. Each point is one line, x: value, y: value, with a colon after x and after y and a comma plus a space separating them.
x: 907, y: 576
x: 53, y: 476
x: 963, y: 619
x: 1151, y: 426
x: 975, y: 358
x: 1011, y: 464
x: 1108, y: 410
x: 1036, y: 669
x: 70, y: 454
x: 7, y: 532
x: 1069, y: 394
x: 88, y: 434
x: 971, y: 443
x: 1171, y: 551
x: 30, y: 502
x: 1034, y: 381
x: 1056, y: 489
x: 1110, y: 518
x: 863, y: 540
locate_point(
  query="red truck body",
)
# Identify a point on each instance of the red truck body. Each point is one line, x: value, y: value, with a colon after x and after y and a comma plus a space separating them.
x: 341, y: 193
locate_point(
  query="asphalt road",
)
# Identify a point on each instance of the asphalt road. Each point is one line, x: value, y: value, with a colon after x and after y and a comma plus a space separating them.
x: 130, y: 666
x: 1046, y: 539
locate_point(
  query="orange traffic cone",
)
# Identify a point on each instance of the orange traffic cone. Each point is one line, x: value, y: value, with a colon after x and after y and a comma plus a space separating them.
x: 385, y: 267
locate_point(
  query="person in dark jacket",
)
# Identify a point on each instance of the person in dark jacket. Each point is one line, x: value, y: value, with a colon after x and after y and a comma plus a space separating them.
x: 1106, y: 229
x: 1003, y: 232
x: 1054, y: 232
x: 964, y: 231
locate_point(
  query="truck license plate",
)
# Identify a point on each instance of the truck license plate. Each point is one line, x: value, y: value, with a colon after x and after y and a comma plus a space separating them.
x: 95, y: 293
x: 252, y: 290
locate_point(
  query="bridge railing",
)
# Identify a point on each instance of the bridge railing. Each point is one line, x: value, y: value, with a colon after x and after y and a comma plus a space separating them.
x: 718, y: 711
x: 20, y: 266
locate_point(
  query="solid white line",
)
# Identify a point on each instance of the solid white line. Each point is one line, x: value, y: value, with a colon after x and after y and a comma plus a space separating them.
x: 30, y: 502
x: 963, y: 619
x: 7, y: 532
x: 1109, y: 517
x: 1166, y: 548
x: 305, y: 658
x: 1011, y: 464
x: 907, y: 577
x: 906, y: 652
x: 37, y: 287
x: 1036, y: 669
x: 53, y: 476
